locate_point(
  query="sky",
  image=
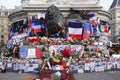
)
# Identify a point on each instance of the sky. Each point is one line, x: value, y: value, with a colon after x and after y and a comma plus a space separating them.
x: 9, y: 4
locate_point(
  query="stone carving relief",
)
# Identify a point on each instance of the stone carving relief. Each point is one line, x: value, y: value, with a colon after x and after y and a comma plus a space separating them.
x: 60, y: 2
x: 24, y: 2
x: 38, y: 1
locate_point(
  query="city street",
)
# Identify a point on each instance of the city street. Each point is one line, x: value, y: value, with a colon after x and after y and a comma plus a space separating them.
x: 114, y: 75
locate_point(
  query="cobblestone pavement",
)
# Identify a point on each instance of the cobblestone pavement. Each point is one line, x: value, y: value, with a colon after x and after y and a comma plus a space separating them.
x: 114, y: 75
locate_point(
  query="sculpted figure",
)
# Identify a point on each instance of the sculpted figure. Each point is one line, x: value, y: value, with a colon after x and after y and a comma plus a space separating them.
x: 54, y: 19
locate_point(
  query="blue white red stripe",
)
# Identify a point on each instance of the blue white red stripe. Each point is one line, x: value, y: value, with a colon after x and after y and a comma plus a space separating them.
x: 75, y: 30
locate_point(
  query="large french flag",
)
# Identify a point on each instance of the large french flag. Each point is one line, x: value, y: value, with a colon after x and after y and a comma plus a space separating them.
x: 30, y: 53
x: 36, y: 27
x: 75, y: 30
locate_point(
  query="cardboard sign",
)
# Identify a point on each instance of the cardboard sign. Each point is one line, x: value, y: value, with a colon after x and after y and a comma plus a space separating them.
x: 30, y: 69
x: 0, y: 66
x: 35, y: 66
x: 75, y: 66
x: 118, y: 65
x: 26, y: 67
x: 15, y: 67
x: 1, y: 63
x: 81, y: 70
x: 87, y: 66
x: 21, y: 66
x: 99, y: 68
x: 109, y: 65
x: 9, y: 65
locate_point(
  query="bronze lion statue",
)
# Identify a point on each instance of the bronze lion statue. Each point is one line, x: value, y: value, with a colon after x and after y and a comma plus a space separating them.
x: 54, y: 20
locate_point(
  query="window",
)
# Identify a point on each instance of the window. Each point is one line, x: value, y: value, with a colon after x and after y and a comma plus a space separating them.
x: 2, y: 27
x: 2, y: 37
x: 2, y: 30
x: 2, y: 42
x: 2, y: 21
x: 113, y: 17
x: 6, y: 13
x: 119, y: 31
x: 118, y: 16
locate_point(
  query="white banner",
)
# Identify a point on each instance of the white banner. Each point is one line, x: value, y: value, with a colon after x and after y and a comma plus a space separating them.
x: 19, y: 37
x: 41, y: 15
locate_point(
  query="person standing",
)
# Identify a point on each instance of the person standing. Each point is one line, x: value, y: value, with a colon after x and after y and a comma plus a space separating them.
x: 3, y: 68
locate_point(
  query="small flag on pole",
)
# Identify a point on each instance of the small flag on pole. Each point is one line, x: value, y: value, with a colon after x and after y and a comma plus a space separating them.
x: 36, y: 27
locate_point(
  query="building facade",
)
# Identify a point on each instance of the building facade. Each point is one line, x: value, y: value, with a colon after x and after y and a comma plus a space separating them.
x: 115, y: 22
x: 4, y: 24
x: 34, y: 7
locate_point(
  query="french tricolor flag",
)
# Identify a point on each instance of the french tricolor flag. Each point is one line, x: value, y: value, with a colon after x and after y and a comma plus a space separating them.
x: 75, y: 30
x: 34, y: 53
x: 92, y: 18
x: 36, y: 27
x: 30, y: 53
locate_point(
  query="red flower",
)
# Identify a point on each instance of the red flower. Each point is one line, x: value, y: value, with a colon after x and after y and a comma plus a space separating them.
x: 66, y: 67
x: 66, y: 52
x: 38, y: 40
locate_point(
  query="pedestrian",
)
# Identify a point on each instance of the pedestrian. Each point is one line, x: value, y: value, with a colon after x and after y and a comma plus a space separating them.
x: 3, y: 68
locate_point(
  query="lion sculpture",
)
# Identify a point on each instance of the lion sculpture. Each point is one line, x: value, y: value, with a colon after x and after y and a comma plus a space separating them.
x: 54, y: 20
